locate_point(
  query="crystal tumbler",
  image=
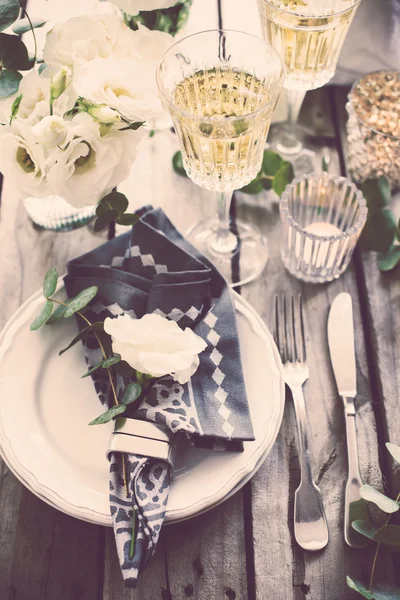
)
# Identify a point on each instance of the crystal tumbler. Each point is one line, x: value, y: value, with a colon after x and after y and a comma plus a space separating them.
x: 322, y: 217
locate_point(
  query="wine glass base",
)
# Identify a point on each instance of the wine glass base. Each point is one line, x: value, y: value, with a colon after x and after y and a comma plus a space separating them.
x: 239, y: 265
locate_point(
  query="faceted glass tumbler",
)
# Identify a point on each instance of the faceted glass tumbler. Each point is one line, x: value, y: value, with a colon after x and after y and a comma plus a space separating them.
x: 322, y: 217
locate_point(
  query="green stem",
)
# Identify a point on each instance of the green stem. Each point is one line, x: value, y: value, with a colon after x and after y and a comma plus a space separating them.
x: 133, y: 538
x: 34, y: 35
x: 371, y: 579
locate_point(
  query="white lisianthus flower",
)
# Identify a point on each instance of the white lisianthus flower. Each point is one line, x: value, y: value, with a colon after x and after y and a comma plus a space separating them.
x: 89, y: 166
x: 133, y: 7
x: 83, y: 39
x: 104, y: 114
x: 51, y: 131
x: 22, y: 159
x: 156, y: 346
x: 127, y: 86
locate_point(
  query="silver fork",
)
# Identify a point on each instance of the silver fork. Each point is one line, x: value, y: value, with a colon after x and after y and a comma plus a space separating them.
x: 310, y: 527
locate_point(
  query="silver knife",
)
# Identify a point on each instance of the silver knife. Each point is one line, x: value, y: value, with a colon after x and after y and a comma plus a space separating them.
x: 341, y: 348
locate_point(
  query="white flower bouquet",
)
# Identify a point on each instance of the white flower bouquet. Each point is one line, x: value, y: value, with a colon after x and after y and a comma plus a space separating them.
x: 74, y: 126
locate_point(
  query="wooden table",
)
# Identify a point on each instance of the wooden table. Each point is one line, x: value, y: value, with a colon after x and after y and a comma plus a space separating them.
x: 245, y: 547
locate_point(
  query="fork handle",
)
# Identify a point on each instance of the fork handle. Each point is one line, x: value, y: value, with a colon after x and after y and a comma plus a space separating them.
x: 304, y: 448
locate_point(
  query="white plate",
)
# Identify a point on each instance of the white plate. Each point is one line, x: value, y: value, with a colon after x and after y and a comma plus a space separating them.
x: 45, y: 407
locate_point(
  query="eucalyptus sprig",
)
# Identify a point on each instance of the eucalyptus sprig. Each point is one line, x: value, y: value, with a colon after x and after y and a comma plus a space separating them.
x: 112, y: 208
x: 387, y: 535
x: 169, y: 20
x: 275, y: 173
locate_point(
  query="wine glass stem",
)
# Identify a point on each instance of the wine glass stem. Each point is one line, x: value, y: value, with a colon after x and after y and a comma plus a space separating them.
x: 289, y: 142
x: 223, y: 241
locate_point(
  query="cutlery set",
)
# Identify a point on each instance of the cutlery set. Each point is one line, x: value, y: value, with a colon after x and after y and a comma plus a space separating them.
x: 310, y: 525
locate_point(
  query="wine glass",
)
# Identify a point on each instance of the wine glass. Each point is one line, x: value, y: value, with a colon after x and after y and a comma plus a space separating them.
x: 309, y: 39
x: 221, y: 88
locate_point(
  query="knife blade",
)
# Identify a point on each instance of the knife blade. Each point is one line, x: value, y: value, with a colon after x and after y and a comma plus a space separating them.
x: 343, y: 359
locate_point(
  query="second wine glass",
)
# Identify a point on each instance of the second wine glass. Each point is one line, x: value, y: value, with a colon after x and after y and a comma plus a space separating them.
x: 221, y: 88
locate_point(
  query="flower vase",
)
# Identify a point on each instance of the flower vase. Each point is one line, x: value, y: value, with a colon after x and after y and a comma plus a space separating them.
x: 52, y: 213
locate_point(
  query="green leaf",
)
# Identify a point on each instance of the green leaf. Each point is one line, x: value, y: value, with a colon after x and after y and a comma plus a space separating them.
x: 9, y: 11
x: 119, y: 423
x: 113, y: 201
x: 359, y: 587
x: 271, y: 163
x: 50, y: 282
x: 15, y: 107
x: 80, y: 301
x: 390, y: 259
x: 113, y: 360
x: 394, y: 451
x: 9, y: 82
x: 388, y: 534
x: 377, y: 193
x: 133, y: 126
x: 152, y: 133
x: 383, y: 502
x: 365, y: 528
x: 325, y: 165
x: 254, y: 187
x: 13, y: 53
x: 127, y: 219
x: 105, y: 220
x: 386, y: 591
x: 283, y: 177
x: 82, y: 334
x: 124, y: 369
x: 23, y: 26
x: 109, y: 415
x: 379, y: 231
x: 42, y: 67
x: 177, y: 164
x: 42, y: 316
x: 132, y: 393
x: 92, y: 369
x: 58, y: 313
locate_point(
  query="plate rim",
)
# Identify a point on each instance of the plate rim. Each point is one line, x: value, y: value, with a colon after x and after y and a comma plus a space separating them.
x: 240, y: 477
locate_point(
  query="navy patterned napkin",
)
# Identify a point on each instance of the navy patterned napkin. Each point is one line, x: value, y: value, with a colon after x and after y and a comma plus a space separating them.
x: 154, y: 269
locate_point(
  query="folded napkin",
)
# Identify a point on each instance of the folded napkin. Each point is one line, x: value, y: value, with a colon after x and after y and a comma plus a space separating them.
x: 154, y: 269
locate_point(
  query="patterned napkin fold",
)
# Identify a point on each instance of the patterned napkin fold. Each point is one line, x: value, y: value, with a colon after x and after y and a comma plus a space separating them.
x: 154, y: 269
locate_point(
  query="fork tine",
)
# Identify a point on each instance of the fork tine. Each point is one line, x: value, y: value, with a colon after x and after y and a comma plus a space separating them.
x: 295, y: 353
x: 278, y: 329
x: 302, y: 336
x: 286, y: 326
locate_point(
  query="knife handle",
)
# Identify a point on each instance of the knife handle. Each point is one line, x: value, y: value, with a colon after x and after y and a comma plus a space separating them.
x: 352, y: 492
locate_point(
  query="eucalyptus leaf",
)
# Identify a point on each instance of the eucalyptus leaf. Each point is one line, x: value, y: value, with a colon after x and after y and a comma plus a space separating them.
x: 13, y: 53
x: 9, y: 11
x: 365, y: 528
x: 386, y: 591
x: 127, y: 219
x: 254, y: 187
x: 359, y: 587
x: 9, y: 82
x: 383, y: 502
x: 133, y: 126
x: 23, y: 26
x: 124, y: 369
x: 394, y: 451
x: 379, y: 231
x: 390, y: 259
x: 50, y: 282
x: 113, y: 201
x: 119, y: 423
x: 42, y: 316
x: 92, y: 369
x: 283, y: 177
x: 42, y: 67
x: 377, y: 193
x: 388, y: 534
x: 271, y: 163
x: 15, y: 106
x: 113, y: 360
x: 58, y: 313
x: 80, y: 301
x: 132, y: 393
x: 109, y: 415
x: 82, y: 334
x: 177, y: 164
x: 105, y: 220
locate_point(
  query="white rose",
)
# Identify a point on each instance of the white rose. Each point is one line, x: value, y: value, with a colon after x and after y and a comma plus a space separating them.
x: 22, y: 159
x: 156, y: 346
x: 85, y: 38
x: 133, y: 7
x: 124, y: 85
x: 50, y: 131
x: 89, y: 166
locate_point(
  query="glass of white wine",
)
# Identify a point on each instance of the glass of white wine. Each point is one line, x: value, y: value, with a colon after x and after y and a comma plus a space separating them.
x: 308, y: 35
x: 221, y: 88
